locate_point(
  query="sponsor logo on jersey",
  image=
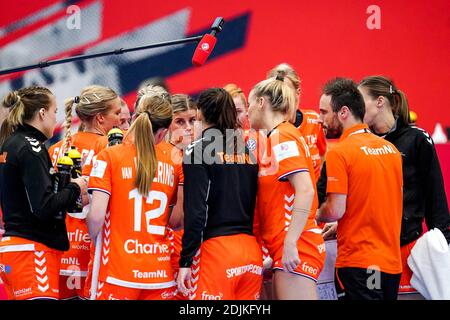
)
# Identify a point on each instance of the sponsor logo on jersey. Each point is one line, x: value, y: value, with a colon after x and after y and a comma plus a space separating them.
x: 309, y: 269
x: 98, y: 169
x: 285, y: 150
x: 22, y: 292
x: 133, y: 246
x: 208, y: 296
x: 251, y: 144
x: 251, y: 268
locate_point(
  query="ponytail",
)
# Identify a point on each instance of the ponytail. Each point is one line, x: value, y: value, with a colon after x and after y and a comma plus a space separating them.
x: 402, y: 107
x: 23, y: 105
x: 146, y: 153
x: 155, y: 113
x: 68, y: 124
x: 14, y: 103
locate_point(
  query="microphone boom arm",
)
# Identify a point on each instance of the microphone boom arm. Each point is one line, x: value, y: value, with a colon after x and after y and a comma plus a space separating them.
x: 216, y: 28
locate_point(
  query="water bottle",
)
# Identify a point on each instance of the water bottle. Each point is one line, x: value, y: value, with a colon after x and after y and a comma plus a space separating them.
x: 75, y: 156
x: 62, y: 177
x: 115, y: 136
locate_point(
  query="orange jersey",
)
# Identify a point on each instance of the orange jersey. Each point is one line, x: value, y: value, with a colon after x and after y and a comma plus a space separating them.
x: 135, y: 246
x: 368, y: 169
x: 99, y: 144
x: 75, y: 261
x: 287, y: 153
x: 312, y: 131
x: 83, y: 141
x: 176, y: 156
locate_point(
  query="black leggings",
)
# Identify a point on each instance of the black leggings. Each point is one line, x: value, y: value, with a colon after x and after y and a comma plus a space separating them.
x: 366, y: 284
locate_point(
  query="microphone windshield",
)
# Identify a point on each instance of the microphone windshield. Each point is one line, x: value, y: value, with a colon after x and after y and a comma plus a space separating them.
x: 203, y: 50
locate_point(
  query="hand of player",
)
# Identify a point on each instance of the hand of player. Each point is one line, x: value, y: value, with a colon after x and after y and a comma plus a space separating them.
x: 290, y: 259
x: 329, y: 231
x: 82, y: 183
x: 184, y: 280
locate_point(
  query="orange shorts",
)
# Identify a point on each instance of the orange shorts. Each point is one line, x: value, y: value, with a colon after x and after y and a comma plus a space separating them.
x: 175, y: 237
x: 227, y: 268
x: 311, y: 251
x: 71, y: 287
x: 107, y: 291
x: 74, y: 262
x: 405, y: 280
x: 29, y: 270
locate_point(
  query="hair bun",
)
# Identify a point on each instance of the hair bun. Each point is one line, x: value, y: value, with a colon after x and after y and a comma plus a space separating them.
x: 11, y: 100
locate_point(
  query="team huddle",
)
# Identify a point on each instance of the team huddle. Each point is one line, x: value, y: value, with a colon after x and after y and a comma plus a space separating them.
x: 226, y: 197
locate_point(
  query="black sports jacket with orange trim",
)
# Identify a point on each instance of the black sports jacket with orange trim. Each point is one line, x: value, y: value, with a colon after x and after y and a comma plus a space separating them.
x: 31, y: 209
x: 220, y: 182
x: 423, y: 185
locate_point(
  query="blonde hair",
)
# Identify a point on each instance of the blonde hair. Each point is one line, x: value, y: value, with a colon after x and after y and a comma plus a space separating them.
x: 236, y: 92
x: 154, y: 113
x: 280, y: 96
x: 92, y: 100
x: 182, y: 103
x: 151, y: 90
x: 285, y: 70
x: 23, y: 105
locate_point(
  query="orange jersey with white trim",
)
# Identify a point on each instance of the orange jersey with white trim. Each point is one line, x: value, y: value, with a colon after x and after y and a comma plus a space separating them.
x: 176, y: 155
x: 99, y: 144
x: 312, y: 131
x: 286, y: 153
x: 75, y: 261
x: 83, y: 141
x: 135, y: 248
x: 368, y: 169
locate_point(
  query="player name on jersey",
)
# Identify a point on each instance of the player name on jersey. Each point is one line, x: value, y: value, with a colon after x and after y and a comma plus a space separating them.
x: 133, y: 246
x: 164, y: 173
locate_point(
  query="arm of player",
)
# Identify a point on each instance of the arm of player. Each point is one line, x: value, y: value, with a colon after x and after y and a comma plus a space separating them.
x: 303, y: 200
x: 97, y: 212
x: 333, y: 208
x: 184, y: 280
x: 177, y: 215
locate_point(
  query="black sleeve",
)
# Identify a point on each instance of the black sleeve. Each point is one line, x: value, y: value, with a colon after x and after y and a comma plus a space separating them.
x: 195, y: 191
x: 44, y: 203
x: 322, y: 185
x: 436, y: 206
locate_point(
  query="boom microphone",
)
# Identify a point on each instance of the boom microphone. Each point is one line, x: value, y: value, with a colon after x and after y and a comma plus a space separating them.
x: 207, y: 44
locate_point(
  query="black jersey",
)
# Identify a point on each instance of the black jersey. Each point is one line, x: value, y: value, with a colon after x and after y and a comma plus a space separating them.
x: 31, y: 209
x: 220, y: 182
x: 423, y: 185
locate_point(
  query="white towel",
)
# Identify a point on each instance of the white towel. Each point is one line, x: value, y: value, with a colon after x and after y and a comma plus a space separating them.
x: 430, y: 263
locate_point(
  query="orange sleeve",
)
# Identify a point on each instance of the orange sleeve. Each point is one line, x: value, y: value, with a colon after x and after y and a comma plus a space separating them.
x: 337, y: 179
x: 289, y: 154
x: 54, y: 152
x: 180, y: 175
x: 101, y: 174
x: 88, y: 162
x: 321, y: 141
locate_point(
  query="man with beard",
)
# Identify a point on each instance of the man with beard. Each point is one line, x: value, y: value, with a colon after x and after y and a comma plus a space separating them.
x: 364, y: 192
